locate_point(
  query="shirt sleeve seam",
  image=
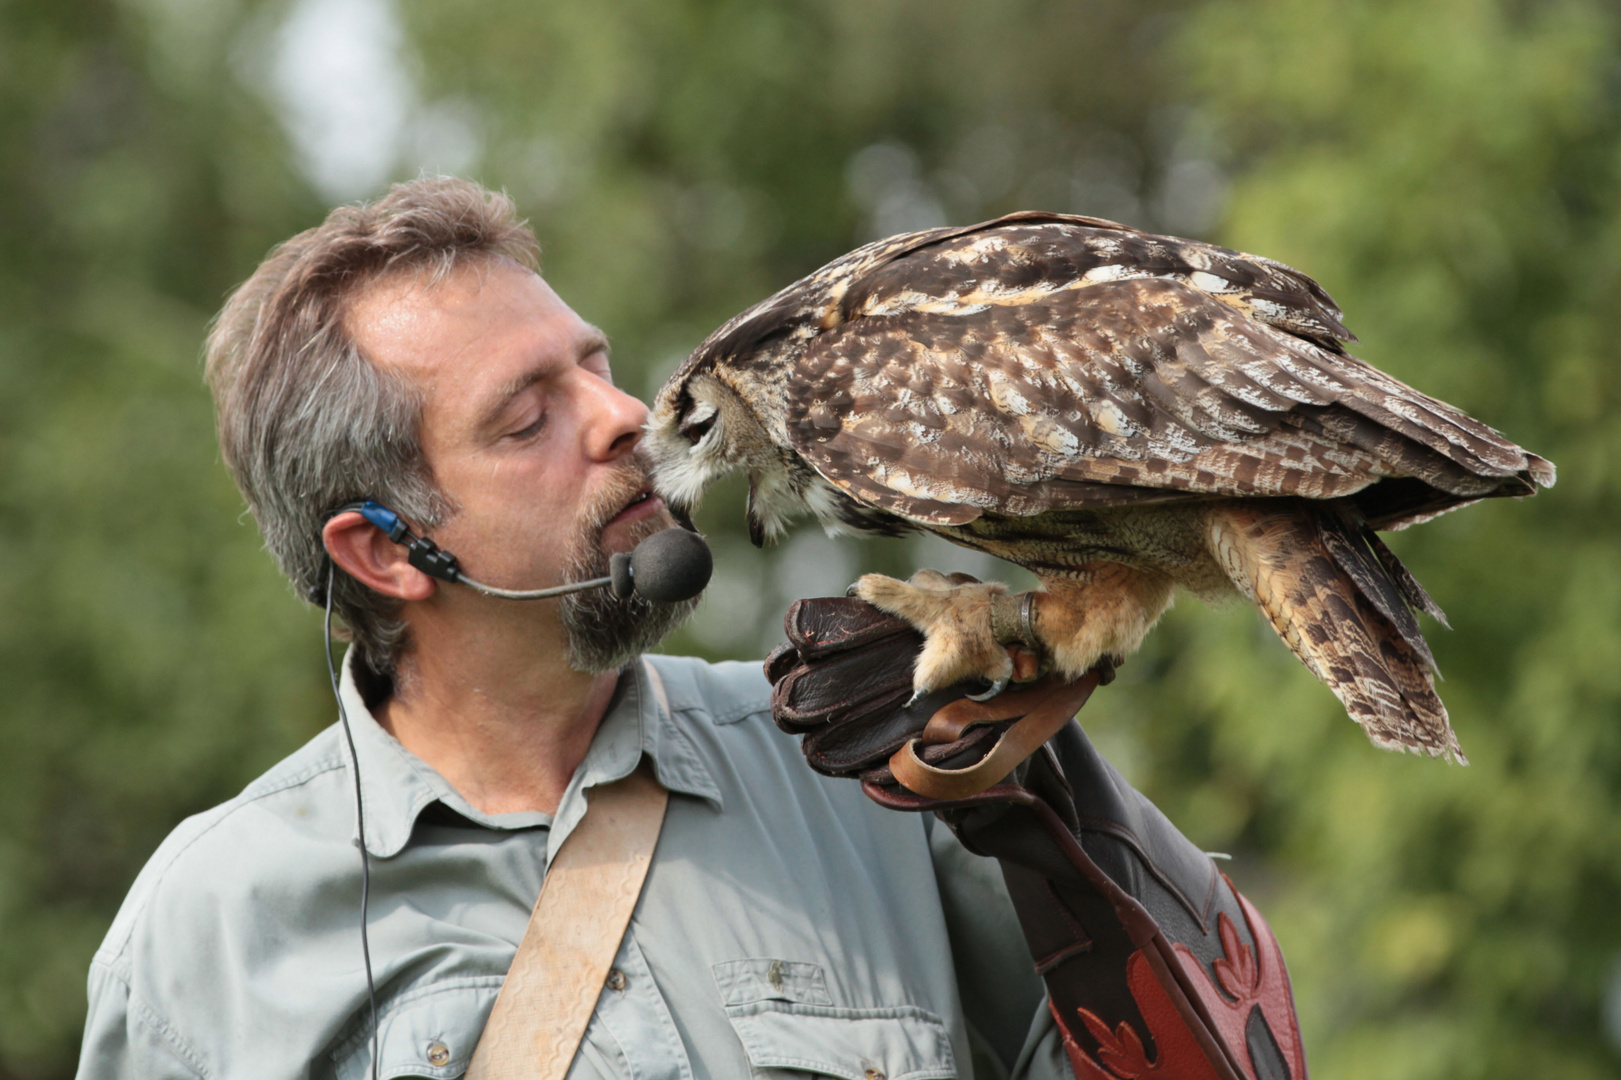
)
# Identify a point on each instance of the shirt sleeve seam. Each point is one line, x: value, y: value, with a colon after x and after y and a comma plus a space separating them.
x: 704, y: 682
x: 723, y: 717
x: 222, y: 813
x: 146, y: 1015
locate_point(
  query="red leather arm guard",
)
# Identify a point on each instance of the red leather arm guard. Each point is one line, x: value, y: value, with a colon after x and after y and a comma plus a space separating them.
x: 1155, y: 965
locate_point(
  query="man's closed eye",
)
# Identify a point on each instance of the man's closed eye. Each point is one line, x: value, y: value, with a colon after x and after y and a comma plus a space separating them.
x: 529, y: 430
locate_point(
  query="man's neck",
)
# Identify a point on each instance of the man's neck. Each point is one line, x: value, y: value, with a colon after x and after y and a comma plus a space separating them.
x: 502, y: 717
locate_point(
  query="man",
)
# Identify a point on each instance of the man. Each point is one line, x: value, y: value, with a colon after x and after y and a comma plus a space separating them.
x: 407, y: 352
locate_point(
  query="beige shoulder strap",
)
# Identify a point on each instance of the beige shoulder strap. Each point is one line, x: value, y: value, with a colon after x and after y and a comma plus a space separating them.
x: 574, y: 934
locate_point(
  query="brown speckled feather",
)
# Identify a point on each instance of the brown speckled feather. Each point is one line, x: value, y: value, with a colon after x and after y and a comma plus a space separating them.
x: 1379, y: 670
x: 1143, y: 383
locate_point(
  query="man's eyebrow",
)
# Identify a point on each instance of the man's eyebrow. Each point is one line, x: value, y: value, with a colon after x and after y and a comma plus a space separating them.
x: 593, y: 343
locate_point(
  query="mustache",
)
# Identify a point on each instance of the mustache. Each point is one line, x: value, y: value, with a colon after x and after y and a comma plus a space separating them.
x: 605, y: 633
x: 602, y: 506
x: 585, y: 556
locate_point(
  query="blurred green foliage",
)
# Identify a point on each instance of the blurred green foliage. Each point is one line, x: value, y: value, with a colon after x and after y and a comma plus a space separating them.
x: 1450, y: 171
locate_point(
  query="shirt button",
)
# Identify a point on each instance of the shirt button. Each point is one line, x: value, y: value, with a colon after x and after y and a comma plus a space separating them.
x: 438, y: 1054
x: 875, y: 1074
x: 616, y: 979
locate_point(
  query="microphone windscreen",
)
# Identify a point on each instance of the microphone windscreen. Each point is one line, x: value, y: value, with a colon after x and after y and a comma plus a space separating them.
x: 671, y: 566
x: 619, y: 575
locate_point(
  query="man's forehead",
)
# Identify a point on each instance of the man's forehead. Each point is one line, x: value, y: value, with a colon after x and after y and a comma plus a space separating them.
x: 407, y: 320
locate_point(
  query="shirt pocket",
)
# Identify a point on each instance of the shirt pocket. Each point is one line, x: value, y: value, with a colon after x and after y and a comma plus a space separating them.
x: 786, y: 1020
x: 430, y: 1033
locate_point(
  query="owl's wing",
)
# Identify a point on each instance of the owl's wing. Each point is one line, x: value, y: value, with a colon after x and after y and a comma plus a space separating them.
x: 940, y: 403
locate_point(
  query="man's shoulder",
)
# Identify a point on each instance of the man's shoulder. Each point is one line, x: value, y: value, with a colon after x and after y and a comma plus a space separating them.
x: 721, y: 712
x: 722, y: 693
x: 222, y: 849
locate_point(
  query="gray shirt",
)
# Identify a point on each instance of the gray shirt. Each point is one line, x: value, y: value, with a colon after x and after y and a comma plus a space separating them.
x: 787, y: 926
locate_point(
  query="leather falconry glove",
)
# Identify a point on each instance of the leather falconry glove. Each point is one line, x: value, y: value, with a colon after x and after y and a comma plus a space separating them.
x: 1155, y: 965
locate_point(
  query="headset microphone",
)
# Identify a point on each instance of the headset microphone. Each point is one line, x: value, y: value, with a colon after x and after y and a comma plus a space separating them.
x: 667, y: 567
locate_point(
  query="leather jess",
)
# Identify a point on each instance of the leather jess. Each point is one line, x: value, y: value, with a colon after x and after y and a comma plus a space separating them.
x: 1155, y: 965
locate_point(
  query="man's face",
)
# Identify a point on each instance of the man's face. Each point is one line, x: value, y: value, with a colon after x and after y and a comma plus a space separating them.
x: 528, y: 437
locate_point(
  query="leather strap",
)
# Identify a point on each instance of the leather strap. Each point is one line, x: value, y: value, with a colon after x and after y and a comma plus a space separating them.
x: 1045, y: 708
x: 574, y: 934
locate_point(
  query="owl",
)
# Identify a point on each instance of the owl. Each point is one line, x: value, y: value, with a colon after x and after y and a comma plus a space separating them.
x: 1120, y: 413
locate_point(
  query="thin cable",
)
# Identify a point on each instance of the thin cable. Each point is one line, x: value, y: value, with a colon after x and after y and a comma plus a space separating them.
x: 436, y: 562
x: 360, y: 820
x: 532, y: 594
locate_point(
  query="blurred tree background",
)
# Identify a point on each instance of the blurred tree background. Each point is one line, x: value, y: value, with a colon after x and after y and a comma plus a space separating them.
x: 1451, y: 171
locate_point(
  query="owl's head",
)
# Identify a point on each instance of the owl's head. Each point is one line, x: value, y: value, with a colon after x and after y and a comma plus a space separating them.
x: 701, y: 430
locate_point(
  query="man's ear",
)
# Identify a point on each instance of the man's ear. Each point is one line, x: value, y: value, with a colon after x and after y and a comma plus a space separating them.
x: 365, y: 553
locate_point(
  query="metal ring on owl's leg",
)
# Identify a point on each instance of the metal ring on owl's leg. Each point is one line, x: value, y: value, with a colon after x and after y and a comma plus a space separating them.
x: 1013, y: 620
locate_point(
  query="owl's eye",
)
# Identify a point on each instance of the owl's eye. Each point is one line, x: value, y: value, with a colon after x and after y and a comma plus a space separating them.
x: 697, y: 429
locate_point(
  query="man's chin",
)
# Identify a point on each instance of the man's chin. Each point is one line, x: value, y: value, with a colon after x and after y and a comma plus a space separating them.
x: 606, y: 633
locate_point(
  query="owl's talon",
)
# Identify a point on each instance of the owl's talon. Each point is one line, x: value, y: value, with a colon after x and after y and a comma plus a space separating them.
x: 997, y: 687
x: 917, y: 696
x: 955, y: 620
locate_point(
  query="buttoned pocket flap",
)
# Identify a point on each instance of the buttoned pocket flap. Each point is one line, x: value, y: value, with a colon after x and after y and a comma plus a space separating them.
x: 902, y: 1042
x: 745, y: 981
x: 431, y: 1033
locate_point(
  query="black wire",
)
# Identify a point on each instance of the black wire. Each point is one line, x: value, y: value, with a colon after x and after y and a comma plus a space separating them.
x: 360, y: 820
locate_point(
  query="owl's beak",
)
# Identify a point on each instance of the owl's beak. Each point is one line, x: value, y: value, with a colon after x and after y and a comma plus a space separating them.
x: 756, y: 526
x: 682, y: 515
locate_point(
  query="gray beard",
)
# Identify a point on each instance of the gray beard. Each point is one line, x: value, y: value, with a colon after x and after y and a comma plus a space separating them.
x: 604, y: 632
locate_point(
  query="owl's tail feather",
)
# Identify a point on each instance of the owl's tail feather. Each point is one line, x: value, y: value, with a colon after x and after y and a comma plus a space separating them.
x: 1344, y: 604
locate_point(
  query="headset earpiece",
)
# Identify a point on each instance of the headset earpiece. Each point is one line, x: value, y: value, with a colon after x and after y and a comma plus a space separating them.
x: 421, y: 552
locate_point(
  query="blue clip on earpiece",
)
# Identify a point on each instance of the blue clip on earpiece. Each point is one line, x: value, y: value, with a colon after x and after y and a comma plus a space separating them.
x: 421, y: 552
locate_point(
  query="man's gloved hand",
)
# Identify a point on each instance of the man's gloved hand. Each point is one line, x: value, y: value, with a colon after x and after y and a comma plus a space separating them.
x: 843, y: 681
x: 1155, y: 965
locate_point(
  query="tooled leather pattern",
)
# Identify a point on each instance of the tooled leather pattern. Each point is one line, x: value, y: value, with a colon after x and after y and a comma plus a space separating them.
x: 1250, y: 980
x: 1245, y: 981
x: 1120, y: 1051
x: 1120, y: 1021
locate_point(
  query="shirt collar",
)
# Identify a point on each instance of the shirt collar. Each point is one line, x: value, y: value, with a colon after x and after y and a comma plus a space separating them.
x: 396, y: 785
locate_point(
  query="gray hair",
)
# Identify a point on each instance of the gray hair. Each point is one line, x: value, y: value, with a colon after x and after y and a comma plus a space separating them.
x: 306, y: 422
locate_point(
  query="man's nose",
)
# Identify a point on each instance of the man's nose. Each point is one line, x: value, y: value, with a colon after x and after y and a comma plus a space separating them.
x: 617, y: 423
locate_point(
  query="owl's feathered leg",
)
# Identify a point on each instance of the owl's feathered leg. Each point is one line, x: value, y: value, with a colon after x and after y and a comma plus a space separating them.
x: 1098, y: 610
x: 1343, y: 604
x: 1095, y: 611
